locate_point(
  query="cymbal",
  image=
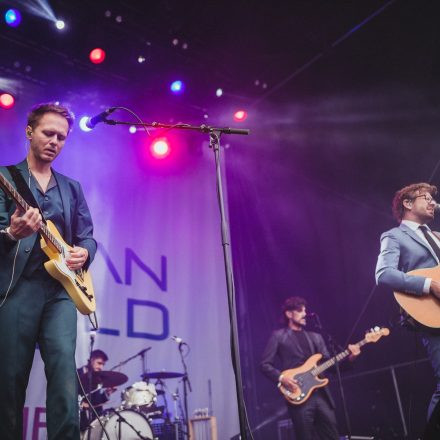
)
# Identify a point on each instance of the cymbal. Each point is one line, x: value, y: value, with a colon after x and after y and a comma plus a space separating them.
x: 161, y: 375
x: 109, y: 379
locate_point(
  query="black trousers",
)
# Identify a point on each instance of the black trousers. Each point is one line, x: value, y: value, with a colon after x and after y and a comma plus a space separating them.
x: 38, y: 310
x: 315, y: 419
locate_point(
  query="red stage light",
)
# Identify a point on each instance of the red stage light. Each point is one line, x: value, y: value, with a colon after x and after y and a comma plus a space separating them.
x: 97, y: 56
x: 160, y: 148
x: 7, y: 101
x: 240, y: 115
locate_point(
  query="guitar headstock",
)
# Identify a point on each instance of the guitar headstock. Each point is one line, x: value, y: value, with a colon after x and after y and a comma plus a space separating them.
x: 375, y: 333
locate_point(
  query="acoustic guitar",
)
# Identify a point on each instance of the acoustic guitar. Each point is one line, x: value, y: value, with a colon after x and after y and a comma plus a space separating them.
x: 78, y: 283
x: 424, y: 309
x: 307, y: 375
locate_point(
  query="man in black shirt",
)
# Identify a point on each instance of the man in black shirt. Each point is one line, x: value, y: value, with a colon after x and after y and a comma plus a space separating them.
x: 290, y: 347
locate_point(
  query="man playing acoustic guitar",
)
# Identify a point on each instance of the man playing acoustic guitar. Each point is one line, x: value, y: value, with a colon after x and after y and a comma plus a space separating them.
x: 34, y: 307
x: 292, y: 346
x: 412, y: 245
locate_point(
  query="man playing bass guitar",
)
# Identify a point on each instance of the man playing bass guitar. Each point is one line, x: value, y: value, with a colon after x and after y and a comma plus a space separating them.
x: 290, y: 347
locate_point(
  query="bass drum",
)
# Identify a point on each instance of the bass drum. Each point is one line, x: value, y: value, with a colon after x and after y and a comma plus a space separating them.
x: 120, y: 425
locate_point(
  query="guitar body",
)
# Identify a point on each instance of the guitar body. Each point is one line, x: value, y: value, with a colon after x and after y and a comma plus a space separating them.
x: 78, y: 284
x: 424, y: 309
x: 307, y: 382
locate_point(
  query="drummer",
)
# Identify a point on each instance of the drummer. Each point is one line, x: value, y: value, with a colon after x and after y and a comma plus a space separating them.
x: 89, y: 382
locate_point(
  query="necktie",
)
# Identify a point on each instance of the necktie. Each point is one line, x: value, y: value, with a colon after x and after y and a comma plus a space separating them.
x: 430, y: 240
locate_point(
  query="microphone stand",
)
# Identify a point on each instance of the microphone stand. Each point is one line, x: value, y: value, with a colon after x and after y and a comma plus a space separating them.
x: 89, y: 375
x: 214, y: 137
x: 141, y: 353
x: 186, y: 383
x: 332, y: 346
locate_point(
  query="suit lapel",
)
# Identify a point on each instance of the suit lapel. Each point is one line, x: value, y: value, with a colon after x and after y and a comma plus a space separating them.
x: 415, y: 237
x: 64, y: 192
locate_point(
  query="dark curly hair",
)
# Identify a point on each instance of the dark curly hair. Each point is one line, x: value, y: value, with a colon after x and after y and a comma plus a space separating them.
x: 292, y: 303
x: 409, y: 193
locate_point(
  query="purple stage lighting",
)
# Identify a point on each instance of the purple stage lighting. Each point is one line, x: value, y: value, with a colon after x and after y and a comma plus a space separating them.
x: 13, y: 17
x: 177, y: 87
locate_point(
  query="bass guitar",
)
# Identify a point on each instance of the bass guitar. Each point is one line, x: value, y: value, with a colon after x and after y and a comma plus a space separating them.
x: 78, y: 283
x: 307, y: 375
x: 424, y: 309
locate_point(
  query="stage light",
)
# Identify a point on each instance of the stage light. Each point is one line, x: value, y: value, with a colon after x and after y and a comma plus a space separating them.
x: 141, y: 59
x: 219, y: 92
x: 160, y: 148
x: 7, y: 101
x: 97, y: 56
x: 240, y: 116
x: 60, y: 25
x: 13, y: 17
x: 177, y: 87
x: 82, y: 124
x: 175, y: 42
x: 132, y: 129
x: 185, y: 46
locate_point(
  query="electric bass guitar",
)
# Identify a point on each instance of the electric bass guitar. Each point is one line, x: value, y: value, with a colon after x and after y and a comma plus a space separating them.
x: 424, y: 309
x: 78, y: 283
x: 307, y: 375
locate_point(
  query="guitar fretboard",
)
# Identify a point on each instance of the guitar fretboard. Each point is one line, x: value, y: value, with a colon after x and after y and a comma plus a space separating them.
x: 338, y: 358
x: 44, y: 230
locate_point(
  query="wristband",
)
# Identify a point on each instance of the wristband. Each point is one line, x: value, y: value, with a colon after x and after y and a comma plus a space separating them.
x: 8, y: 234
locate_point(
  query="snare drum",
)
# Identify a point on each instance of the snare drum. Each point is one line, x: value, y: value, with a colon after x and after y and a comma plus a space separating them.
x: 140, y: 394
x: 117, y: 425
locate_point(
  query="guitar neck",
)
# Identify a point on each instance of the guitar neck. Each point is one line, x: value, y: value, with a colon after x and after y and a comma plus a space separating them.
x: 24, y: 206
x: 335, y: 359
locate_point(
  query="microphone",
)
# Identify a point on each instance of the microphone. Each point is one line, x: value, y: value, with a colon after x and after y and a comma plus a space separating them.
x: 178, y: 340
x: 92, y: 335
x: 93, y: 121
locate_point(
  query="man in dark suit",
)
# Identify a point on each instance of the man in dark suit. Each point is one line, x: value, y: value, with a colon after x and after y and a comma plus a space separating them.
x: 412, y: 245
x: 34, y: 307
x: 290, y: 347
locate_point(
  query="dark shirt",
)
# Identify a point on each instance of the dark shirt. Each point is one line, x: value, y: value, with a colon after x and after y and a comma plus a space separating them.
x: 287, y: 349
x: 52, y: 206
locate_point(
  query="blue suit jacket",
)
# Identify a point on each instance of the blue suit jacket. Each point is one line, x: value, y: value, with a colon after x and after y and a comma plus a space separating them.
x: 77, y: 219
x: 403, y: 250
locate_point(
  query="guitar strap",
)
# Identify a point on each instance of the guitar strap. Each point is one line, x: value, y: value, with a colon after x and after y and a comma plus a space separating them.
x: 309, y: 341
x: 23, y: 189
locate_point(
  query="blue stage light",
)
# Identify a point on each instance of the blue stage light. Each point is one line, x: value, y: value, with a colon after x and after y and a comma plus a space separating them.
x: 83, y: 122
x: 13, y: 17
x: 177, y: 87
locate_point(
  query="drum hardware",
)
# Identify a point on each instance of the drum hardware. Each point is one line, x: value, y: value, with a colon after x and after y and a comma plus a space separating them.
x: 120, y: 424
x: 161, y: 375
x: 139, y: 395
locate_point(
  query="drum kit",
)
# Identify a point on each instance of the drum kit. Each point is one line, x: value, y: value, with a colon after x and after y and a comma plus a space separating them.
x: 138, y: 416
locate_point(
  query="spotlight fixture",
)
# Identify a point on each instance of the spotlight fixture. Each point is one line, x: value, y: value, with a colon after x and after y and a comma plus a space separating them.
x: 141, y: 59
x: 177, y: 87
x: 118, y: 19
x: 83, y: 124
x: 7, y: 101
x: 13, y: 17
x: 175, y: 41
x: 219, y: 92
x: 60, y: 25
x: 240, y: 115
x: 132, y: 129
x: 97, y: 55
x: 160, y: 148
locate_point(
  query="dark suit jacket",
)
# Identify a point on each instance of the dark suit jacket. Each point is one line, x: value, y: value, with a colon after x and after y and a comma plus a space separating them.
x: 282, y: 352
x: 77, y: 219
